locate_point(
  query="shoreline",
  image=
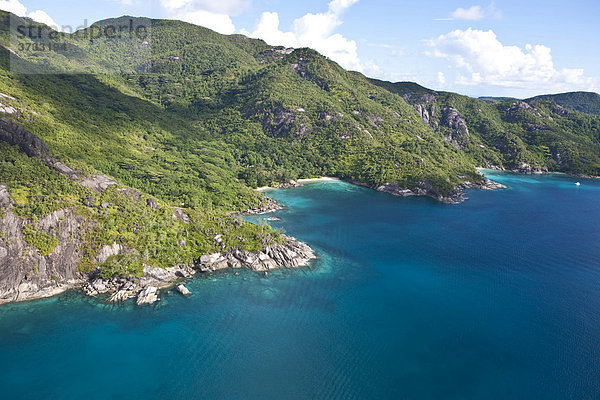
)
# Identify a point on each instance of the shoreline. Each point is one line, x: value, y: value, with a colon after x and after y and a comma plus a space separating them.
x: 423, y: 190
x: 290, y: 254
x: 298, y: 182
x: 509, y: 171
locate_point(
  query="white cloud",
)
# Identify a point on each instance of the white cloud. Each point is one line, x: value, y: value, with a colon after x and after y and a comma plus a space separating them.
x: 221, y: 23
x: 41, y: 16
x: 211, y: 14
x: 485, y: 60
x: 17, y: 8
x: 441, y: 78
x: 13, y: 6
x: 227, y: 7
x: 315, y: 31
x: 473, y: 13
x: 123, y: 2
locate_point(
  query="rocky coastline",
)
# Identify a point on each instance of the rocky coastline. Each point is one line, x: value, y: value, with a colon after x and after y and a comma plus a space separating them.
x: 289, y: 254
x: 422, y: 188
x: 27, y: 273
x: 425, y: 189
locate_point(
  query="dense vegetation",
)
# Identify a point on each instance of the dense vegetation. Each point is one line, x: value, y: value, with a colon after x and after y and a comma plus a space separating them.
x: 197, y: 119
x: 539, y: 132
x: 586, y: 102
x: 157, y: 237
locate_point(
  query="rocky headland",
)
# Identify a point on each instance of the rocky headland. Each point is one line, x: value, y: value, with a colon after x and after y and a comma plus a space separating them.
x: 289, y: 254
x: 30, y: 272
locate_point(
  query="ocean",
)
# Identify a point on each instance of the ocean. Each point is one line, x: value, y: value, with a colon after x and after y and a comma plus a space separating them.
x: 494, y: 298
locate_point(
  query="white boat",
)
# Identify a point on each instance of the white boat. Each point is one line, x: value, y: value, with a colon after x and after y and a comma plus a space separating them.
x: 578, y: 183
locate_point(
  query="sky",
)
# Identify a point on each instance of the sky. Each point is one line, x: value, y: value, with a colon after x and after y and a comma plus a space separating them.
x: 510, y: 48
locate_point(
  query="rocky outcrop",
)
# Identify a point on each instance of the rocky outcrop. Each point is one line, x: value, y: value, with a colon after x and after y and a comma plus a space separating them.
x: 266, y: 205
x: 279, y: 121
x: 488, y: 184
x: 271, y: 55
x: 518, y: 105
x: 122, y: 289
x: 427, y: 113
x: 27, y: 142
x: 289, y: 254
x: 24, y: 272
x: 98, y: 183
x: 4, y: 196
x: 525, y: 168
x: 107, y: 251
x: 424, y: 188
x: 148, y: 295
x: 183, y: 290
x: 459, y: 132
x: 152, y: 204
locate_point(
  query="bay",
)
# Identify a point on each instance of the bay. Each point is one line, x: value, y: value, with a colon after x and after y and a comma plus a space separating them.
x: 494, y: 298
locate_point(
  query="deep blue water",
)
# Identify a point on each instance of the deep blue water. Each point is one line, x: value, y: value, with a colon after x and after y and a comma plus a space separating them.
x: 494, y: 298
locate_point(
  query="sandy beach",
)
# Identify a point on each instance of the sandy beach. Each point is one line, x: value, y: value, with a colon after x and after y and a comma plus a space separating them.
x: 300, y: 182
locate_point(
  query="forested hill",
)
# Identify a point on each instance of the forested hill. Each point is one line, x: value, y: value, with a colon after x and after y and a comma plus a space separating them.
x: 587, y: 102
x: 537, y: 134
x: 276, y: 115
x: 189, y: 121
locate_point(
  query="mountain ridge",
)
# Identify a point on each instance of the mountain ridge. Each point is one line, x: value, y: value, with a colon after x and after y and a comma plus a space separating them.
x: 186, y: 122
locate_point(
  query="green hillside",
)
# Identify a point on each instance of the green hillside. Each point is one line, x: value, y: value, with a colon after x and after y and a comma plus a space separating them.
x: 196, y: 119
x: 586, y: 102
x: 537, y: 135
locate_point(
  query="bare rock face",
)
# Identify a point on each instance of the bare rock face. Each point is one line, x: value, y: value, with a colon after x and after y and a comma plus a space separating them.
x: 291, y: 254
x: 161, y: 277
x: 153, y: 204
x: 24, y: 272
x: 109, y: 251
x: 183, y: 290
x: 523, y: 106
x: 148, y: 295
x: 280, y: 121
x: 121, y: 295
x: 459, y: 135
x: 525, y: 168
x: 98, y: 183
x: 181, y: 215
x: 28, y: 143
x: 266, y: 205
x: 4, y: 196
x: 427, y: 112
x: 65, y: 170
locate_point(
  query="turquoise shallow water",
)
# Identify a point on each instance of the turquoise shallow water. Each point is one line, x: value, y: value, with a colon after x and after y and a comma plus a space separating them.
x: 494, y: 298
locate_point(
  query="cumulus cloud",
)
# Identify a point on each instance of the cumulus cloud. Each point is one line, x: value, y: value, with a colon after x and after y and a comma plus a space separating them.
x: 221, y: 23
x: 41, y: 16
x: 215, y: 15
x: 483, y: 59
x: 474, y: 13
x: 13, y: 6
x: 227, y: 7
x: 316, y: 31
x: 17, y: 8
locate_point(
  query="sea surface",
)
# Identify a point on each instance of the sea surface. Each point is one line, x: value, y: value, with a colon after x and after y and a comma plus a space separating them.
x: 494, y: 298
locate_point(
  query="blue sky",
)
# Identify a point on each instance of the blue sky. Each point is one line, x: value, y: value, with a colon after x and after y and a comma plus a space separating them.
x: 499, y: 48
